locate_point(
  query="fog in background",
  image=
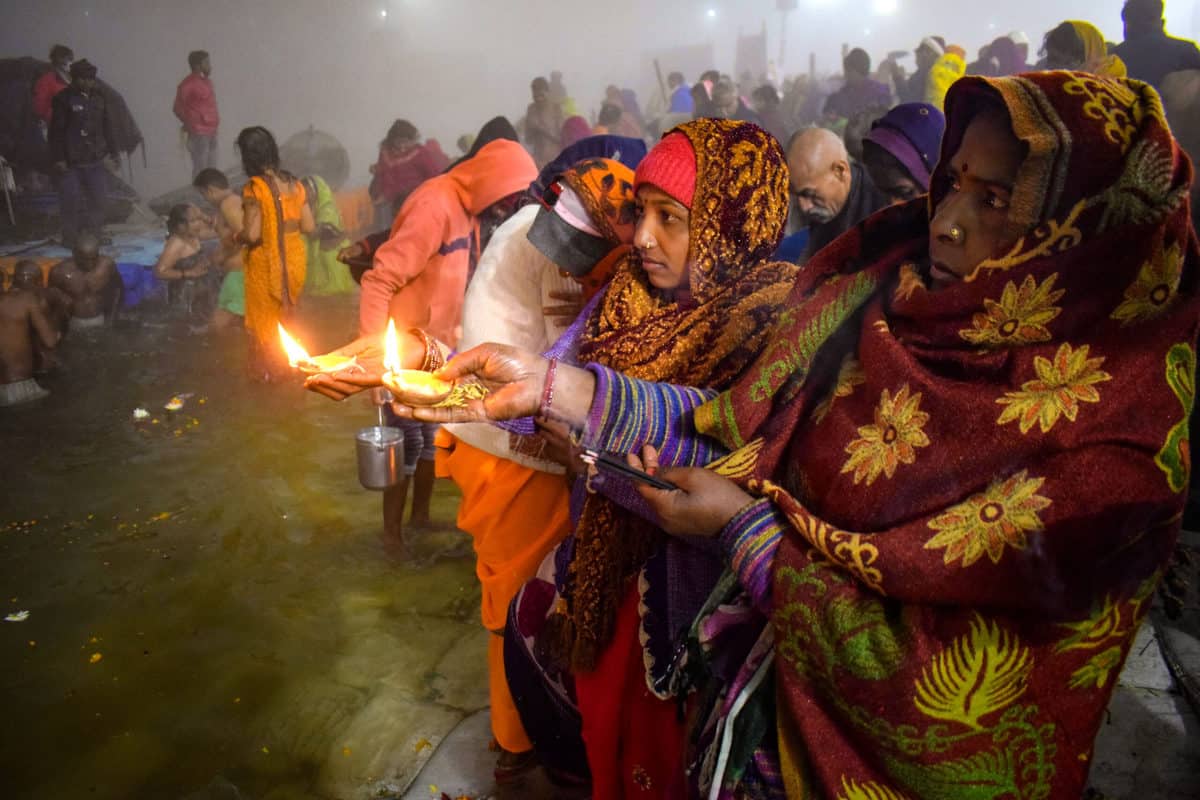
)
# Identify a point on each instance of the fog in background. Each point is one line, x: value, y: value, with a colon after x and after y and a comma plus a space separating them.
x: 349, y: 67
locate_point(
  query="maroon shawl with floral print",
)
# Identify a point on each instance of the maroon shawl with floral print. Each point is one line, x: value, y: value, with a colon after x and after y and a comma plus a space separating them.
x: 984, y: 483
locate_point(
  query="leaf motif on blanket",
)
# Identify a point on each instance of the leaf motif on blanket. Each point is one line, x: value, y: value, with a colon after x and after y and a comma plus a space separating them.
x: 852, y: 790
x: 740, y: 462
x: 979, y: 674
x: 1098, y: 669
x: 1175, y: 457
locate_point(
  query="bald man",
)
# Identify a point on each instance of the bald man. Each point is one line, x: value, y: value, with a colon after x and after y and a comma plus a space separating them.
x: 92, y: 282
x: 833, y: 193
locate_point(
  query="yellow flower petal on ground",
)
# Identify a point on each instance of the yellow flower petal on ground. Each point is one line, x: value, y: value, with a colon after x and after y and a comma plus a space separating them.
x: 998, y: 517
x: 1062, y: 384
x: 891, y: 441
x: 1020, y: 317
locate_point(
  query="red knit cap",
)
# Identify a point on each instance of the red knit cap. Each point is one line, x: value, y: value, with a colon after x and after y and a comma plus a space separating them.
x: 671, y: 166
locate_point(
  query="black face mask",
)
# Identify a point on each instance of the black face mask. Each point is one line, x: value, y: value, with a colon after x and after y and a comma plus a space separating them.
x: 570, y: 249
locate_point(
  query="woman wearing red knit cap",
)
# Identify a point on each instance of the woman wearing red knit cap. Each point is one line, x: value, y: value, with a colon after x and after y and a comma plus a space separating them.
x: 591, y: 639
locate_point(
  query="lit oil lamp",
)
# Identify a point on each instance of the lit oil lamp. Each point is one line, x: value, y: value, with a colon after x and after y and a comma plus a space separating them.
x: 298, y: 357
x: 414, y: 385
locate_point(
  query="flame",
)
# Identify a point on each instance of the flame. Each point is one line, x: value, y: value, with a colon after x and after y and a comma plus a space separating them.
x: 391, y: 349
x: 295, y: 351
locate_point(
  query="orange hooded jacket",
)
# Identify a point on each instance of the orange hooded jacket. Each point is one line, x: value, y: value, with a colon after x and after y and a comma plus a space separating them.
x: 419, y: 276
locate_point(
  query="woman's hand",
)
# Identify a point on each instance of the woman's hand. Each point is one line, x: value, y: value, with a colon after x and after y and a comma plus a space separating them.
x: 368, y: 369
x: 513, y: 377
x: 704, y: 503
x: 558, y: 447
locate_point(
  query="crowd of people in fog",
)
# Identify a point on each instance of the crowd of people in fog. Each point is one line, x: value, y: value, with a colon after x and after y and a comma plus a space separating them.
x: 915, y: 353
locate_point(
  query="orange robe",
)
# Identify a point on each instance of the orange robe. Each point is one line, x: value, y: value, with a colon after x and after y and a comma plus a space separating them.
x: 516, y: 515
x: 267, y: 262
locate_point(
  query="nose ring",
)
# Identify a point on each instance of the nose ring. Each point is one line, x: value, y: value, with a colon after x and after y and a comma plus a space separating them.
x: 648, y: 244
x: 956, y: 234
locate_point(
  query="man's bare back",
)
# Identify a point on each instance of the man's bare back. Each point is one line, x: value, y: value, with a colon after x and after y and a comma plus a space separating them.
x: 229, y: 224
x: 23, y: 324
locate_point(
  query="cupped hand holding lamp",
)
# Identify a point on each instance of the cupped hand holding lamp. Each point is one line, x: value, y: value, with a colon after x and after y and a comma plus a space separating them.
x: 415, y: 350
x: 523, y: 384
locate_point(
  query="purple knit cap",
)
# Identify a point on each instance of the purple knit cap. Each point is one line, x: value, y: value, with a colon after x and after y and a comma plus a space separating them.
x: 912, y: 133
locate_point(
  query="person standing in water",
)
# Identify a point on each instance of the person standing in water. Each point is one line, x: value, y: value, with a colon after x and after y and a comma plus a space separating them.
x: 25, y: 328
x: 231, y: 301
x: 276, y: 219
x: 92, y: 282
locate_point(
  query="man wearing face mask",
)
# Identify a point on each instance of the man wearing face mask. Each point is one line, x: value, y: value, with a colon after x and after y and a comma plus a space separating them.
x: 832, y: 193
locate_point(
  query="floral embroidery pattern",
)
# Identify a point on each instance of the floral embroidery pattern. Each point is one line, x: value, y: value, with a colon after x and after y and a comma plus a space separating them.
x: 852, y: 790
x: 891, y: 441
x: 1052, y: 236
x: 976, y: 675
x: 853, y: 551
x: 1155, y: 289
x: 1175, y: 457
x: 740, y: 462
x: 1144, y: 192
x: 850, y: 375
x: 1062, y: 384
x: 1109, y: 102
x: 1098, y: 669
x: 910, y: 281
x: 641, y: 778
x: 987, y: 522
x: 1089, y: 633
x: 1020, y: 317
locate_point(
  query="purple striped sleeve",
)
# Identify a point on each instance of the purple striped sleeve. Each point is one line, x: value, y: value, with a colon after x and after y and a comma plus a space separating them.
x: 627, y: 413
x: 751, y: 539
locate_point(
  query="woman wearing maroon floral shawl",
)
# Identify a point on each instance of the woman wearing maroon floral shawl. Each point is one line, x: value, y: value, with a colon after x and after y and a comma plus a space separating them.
x: 956, y: 471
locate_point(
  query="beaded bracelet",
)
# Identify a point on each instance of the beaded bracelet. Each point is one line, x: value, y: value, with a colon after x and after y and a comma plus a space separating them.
x: 548, y: 390
x: 434, y: 360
